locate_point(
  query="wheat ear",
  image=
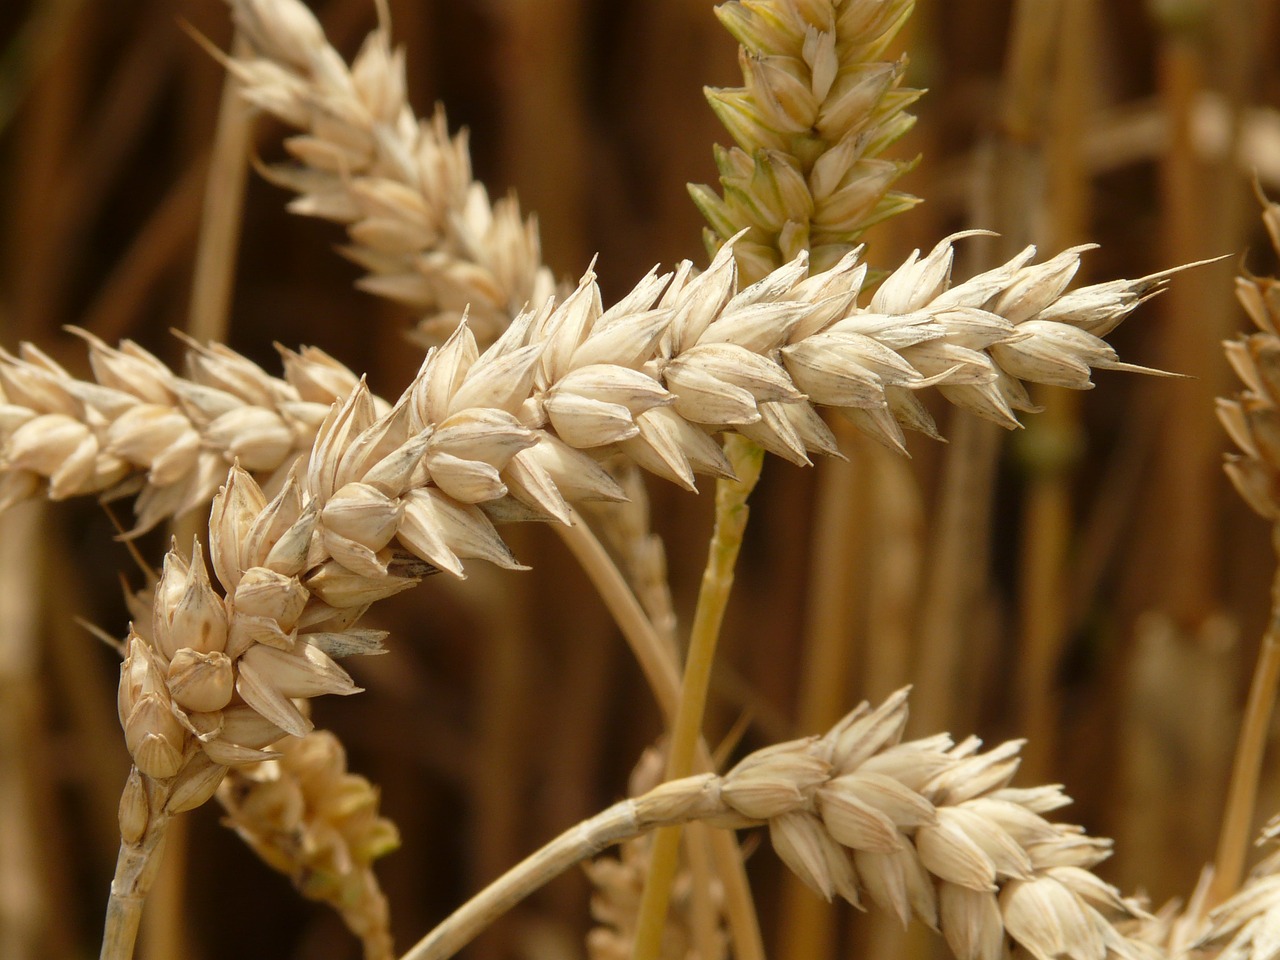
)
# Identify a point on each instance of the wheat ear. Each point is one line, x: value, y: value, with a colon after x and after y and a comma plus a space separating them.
x: 310, y: 819
x: 816, y: 109
x: 681, y: 355
x: 927, y: 828
x: 421, y: 226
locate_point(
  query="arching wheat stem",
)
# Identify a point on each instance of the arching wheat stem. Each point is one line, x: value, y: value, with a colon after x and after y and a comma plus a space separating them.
x: 926, y: 827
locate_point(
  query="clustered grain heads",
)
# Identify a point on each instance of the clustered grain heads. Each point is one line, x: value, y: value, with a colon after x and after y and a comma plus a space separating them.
x: 1252, y: 419
x: 389, y: 492
x: 319, y: 825
x: 421, y: 226
x: 816, y: 109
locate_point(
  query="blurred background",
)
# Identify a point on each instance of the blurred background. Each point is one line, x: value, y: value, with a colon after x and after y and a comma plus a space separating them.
x: 1090, y: 582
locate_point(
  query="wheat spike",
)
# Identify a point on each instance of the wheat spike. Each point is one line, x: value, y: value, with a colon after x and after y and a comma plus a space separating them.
x: 682, y: 355
x: 421, y: 226
x: 816, y: 109
x: 310, y: 819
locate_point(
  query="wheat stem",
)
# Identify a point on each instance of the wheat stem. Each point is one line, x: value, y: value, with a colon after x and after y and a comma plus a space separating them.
x: 656, y: 659
x: 713, y: 597
x: 652, y: 653
x: 578, y: 843
x: 1242, y: 793
x: 215, y: 262
x: 136, y: 869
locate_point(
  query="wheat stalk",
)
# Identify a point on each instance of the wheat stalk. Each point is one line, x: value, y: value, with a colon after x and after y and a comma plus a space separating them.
x: 617, y: 885
x: 926, y: 828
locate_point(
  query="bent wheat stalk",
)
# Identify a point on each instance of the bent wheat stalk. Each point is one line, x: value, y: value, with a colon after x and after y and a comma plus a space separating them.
x: 927, y: 828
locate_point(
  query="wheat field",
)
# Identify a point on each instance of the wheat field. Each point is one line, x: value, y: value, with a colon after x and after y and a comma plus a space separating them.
x: 1090, y: 582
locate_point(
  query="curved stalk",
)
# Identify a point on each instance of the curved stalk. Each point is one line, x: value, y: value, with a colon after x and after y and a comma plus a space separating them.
x: 671, y: 802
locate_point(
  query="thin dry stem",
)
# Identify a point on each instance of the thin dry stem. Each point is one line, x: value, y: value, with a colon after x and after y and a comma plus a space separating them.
x: 1242, y: 793
x: 713, y: 598
x: 654, y: 655
x: 136, y: 869
x: 215, y: 261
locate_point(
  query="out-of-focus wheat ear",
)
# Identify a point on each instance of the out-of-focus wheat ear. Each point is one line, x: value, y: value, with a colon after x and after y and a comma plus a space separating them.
x: 306, y: 816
